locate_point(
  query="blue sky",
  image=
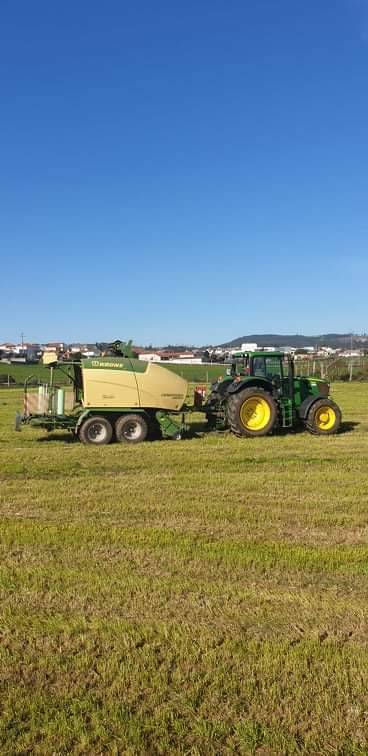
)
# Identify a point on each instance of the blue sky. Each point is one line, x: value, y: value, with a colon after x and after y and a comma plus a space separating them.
x: 183, y: 171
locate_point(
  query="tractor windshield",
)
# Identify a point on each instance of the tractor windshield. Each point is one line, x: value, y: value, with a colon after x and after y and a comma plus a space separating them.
x: 267, y: 367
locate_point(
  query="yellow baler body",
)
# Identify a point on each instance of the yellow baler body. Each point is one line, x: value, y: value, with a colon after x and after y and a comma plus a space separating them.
x: 114, y: 382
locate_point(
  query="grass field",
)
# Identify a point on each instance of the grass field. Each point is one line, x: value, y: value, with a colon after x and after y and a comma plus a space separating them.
x: 19, y: 373
x: 208, y: 596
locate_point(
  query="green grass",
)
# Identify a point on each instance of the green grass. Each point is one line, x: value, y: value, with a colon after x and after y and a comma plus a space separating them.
x: 208, y: 596
x: 19, y: 373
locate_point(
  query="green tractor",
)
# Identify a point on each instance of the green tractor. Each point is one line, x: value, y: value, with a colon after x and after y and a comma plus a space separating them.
x: 261, y: 393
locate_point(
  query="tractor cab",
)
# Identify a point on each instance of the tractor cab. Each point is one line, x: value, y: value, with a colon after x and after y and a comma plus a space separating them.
x: 275, y: 367
x: 272, y: 367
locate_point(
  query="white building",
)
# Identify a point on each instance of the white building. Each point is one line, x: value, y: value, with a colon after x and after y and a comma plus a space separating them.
x: 149, y: 357
x: 186, y: 361
x: 249, y: 347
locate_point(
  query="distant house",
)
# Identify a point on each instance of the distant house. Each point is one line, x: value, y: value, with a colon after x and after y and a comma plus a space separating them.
x: 22, y: 353
x: 6, y: 349
x: 186, y: 360
x: 55, y: 346
x: 249, y: 347
x: 149, y: 356
x: 90, y: 350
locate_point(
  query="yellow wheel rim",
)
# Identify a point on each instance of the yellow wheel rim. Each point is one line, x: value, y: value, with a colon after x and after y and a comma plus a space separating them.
x: 255, y: 413
x: 325, y: 418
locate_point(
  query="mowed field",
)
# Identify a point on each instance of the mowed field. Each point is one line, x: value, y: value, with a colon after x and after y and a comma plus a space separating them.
x: 208, y: 596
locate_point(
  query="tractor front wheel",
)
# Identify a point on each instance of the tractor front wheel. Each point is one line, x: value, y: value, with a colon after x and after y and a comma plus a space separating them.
x: 131, y: 429
x: 324, y: 418
x: 96, y: 430
x: 251, y: 412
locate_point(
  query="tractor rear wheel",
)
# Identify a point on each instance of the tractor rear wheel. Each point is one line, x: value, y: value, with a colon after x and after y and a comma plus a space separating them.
x: 96, y: 430
x: 252, y: 412
x: 131, y: 429
x: 324, y: 418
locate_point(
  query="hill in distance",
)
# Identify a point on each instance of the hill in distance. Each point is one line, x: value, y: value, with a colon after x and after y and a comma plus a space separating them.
x: 334, y: 340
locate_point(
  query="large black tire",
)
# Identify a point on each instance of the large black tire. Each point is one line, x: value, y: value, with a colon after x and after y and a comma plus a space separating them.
x: 131, y: 429
x: 96, y: 430
x: 251, y: 412
x: 324, y: 418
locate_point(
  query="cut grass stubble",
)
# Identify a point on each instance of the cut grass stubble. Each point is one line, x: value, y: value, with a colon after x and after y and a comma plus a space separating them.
x: 204, y: 596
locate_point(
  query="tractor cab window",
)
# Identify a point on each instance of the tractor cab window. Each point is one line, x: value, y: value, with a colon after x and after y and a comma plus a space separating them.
x: 259, y: 367
x: 267, y: 367
x: 274, y: 371
x: 286, y: 367
x: 239, y: 366
x: 273, y: 368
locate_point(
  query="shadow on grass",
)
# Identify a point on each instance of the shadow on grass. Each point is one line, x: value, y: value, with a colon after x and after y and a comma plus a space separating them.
x: 198, y: 430
x: 65, y: 438
x: 347, y: 427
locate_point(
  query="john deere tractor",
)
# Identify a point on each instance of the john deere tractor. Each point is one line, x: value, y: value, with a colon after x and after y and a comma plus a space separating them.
x: 261, y: 393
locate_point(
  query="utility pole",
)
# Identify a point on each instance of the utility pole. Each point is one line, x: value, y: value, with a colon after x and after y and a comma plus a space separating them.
x: 351, y: 357
x: 22, y: 337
